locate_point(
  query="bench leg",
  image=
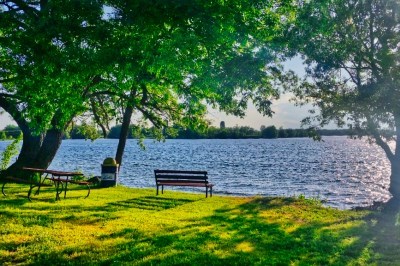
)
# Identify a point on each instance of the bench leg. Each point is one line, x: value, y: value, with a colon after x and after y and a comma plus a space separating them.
x: 162, y: 189
x: 210, y: 192
x: 157, y: 190
x: 206, y: 192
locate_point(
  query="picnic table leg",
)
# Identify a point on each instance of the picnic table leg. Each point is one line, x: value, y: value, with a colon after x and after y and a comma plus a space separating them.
x: 88, y: 191
x: 41, y: 181
x: 2, y: 188
x: 58, y: 190
x: 30, y: 191
x: 65, y: 190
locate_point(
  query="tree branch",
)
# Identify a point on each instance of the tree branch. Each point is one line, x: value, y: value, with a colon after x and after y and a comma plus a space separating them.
x: 97, y: 117
x: 371, y: 127
x: 383, y: 145
x: 11, y: 109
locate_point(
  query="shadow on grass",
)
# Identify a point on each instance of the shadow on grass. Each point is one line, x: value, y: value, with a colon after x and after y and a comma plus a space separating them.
x: 45, y: 214
x: 264, y: 231
x: 386, y: 234
x: 150, y: 203
x: 242, y: 236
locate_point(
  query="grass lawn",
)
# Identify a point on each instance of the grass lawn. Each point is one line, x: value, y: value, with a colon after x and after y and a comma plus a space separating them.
x: 121, y: 225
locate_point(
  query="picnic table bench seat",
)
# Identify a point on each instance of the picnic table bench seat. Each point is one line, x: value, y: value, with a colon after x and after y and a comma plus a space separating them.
x: 182, y: 178
x: 68, y: 181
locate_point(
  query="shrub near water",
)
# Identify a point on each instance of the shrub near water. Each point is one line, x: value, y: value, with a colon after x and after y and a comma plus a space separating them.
x: 10, y: 151
x: 133, y: 226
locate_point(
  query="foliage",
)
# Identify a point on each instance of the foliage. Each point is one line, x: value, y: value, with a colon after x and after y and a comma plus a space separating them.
x: 85, y: 131
x: 169, y: 60
x: 133, y: 226
x: 10, y: 151
x: 48, y: 59
x: 269, y: 132
x: 351, y: 49
x: 237, y: 132
x: 11, y: 132
x: 49, y: 55
x: 282, y: 133
x: 3, y: 135
x: 352, y: 56
x: 164, y: 61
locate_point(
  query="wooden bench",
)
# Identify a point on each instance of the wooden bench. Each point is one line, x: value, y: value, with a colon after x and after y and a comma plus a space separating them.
x: 182, y: 178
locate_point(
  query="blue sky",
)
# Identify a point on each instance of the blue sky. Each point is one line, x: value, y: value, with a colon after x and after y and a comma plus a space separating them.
x: 286, y: 114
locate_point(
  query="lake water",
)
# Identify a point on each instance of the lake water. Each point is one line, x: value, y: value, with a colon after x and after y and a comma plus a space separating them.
x: 344, y: 173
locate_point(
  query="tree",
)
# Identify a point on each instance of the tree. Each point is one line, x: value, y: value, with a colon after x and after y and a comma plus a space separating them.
x: 269, y: 132
x: 161, y: 61
x: 282, y: 133
x: 12, y: 131
x: 174, y: 58
x: 291, y: 133
x: 48, y: 69
x: 84, y: 131
x: 3, y: 135
x: 351, y: 49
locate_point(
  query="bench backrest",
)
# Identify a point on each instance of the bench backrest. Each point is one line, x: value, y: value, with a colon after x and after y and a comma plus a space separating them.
x: 181, y: 176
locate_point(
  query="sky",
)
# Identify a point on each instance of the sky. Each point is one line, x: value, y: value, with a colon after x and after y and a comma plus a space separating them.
x: 286, y: 114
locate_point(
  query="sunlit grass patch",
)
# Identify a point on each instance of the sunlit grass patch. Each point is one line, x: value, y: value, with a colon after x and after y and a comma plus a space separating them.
x: 245, y: 247
x: 133, y: 226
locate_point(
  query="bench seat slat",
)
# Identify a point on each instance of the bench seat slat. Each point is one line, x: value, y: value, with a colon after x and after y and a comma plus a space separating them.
x: 68, y: 181
x: 185, y: 184
x: 162, y: 182
x: 181, y: 178
x: 179, y: 172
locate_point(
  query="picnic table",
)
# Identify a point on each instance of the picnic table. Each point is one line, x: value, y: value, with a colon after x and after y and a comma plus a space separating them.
x: 60, y: 179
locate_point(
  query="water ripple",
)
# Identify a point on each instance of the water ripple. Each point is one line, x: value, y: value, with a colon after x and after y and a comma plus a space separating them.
x: 344, y: 172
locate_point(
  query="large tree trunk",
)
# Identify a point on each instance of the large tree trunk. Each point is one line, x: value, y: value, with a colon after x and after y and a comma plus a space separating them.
x: 124, y: 134
x: 36, y: 152
x: 49, y: 148
x: 394, y: 187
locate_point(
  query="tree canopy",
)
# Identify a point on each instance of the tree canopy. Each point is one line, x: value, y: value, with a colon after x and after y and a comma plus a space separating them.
x: 162, y: 61
x: 351, y: 49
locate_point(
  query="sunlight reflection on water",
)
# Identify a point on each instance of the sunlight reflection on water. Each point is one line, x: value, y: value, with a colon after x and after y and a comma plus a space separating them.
x: 346, y: 173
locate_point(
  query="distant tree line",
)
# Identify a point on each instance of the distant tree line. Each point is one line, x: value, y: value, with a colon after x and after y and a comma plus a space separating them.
x: 270, y: 132
x: 10, y: 132
x: 237, y: 132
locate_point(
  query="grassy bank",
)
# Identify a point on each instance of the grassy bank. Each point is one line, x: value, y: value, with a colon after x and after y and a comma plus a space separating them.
x: 135, y: 227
